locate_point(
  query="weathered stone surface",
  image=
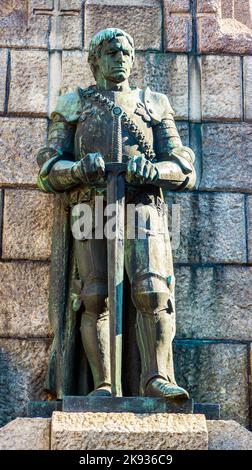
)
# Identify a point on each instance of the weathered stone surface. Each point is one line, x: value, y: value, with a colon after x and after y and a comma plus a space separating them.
x: 250, y: 375
x: 215, y: 372
x: 20, y: 27
x: 29, y: 82
x: 247, y: 73
x: 183, y: 130
x: 227, y: 9
x: 228, y: 435
x: 214, y: 302
x: 243, y: 12
x: 23, y: 366
x: 178, y: 6
x: 223, y: 35
x: 75, y: 70
x: 68, y: 34
x: 227, y: 29
x: 70, y: 4
x: 209, y: 6
x: 26, y: 23
x: 221, y: 98
x: 28, y: 219
x: 194, y: 73
x: 141, y: 19
x: 1, y: 214
x: 249, y: 215
x: 3, y: 71
x: 177, y: 31
x: 225, y: 161
x: 206, y: 222
x: 20, y: 140
x: 72, y: 32
x: 26, y: 434
x: 164, y: 73
x: 44, y: 4
x: 24, y: 289
x: 129, y: 431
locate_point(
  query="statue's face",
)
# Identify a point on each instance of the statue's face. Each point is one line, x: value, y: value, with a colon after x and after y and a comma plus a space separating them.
x: 116, y: 60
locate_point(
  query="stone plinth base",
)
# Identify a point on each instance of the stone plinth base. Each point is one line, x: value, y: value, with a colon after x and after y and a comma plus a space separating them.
x: 228, y: 435
x: 26, y: 434
x: 87, y: 431
x: 128, y: 431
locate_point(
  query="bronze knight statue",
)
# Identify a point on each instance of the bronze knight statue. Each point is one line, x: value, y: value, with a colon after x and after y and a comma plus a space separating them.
x: 74, y: 163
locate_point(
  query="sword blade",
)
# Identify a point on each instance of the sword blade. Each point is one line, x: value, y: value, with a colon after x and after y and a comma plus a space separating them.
x: 116, y: 196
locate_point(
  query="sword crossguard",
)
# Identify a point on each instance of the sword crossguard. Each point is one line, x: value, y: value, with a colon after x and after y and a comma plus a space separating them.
x: 116, y: 168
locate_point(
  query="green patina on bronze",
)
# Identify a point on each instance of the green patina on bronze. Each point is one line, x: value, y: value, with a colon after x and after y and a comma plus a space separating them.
x: 120, y: 142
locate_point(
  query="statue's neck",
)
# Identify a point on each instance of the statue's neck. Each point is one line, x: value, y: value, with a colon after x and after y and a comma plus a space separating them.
x: 106, y: 85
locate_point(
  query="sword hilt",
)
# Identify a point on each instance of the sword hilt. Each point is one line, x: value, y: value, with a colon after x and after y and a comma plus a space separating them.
x: 116, y: 168
x: 117, y: 134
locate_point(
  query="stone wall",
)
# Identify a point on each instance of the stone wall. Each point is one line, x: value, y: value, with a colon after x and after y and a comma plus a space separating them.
x: 199, y: 52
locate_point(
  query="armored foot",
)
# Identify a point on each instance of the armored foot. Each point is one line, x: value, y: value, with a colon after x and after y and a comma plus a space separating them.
x: 159, y: 387
x: 102, y: 391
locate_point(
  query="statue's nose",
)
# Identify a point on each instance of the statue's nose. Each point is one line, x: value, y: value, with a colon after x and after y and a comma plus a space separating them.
x: 119, y: 56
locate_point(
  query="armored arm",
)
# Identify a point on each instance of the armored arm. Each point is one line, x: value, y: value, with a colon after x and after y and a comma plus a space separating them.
x: 56, y: 162
x: 174, y: 161
x: 58, y: 170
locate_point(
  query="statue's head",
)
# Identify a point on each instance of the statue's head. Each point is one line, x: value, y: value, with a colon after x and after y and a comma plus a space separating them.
x: 111, y: 55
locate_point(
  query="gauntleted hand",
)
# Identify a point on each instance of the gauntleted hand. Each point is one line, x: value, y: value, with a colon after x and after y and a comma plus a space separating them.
x: 91, y: 168
x: 141, y: 170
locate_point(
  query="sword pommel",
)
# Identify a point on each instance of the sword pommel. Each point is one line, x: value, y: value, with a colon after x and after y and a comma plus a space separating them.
x: 117, y: 111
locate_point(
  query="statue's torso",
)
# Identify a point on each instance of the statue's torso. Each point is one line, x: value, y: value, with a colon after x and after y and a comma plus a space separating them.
x: 94, y: 128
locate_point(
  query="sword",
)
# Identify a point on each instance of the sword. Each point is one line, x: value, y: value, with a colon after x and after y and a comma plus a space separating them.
x: 115, y: 250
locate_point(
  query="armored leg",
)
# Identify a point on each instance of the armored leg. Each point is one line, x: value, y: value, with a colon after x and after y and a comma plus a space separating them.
x: 149, y: 266
x: 154, y: 334
x: 91, y: 258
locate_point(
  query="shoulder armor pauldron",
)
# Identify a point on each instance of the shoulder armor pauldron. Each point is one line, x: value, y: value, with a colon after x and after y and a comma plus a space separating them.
x: 157, y: 105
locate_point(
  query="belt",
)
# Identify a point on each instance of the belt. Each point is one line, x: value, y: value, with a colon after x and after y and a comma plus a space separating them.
x: 133, y: 194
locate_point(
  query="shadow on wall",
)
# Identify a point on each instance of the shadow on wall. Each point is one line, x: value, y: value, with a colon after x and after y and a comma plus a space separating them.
x: 23, y: 365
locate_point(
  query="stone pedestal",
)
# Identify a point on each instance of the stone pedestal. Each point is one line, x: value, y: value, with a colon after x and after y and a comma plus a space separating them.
x: 26, y: 434
x: 228, y: 435
x: 123, y: 431
x: 128, y: 431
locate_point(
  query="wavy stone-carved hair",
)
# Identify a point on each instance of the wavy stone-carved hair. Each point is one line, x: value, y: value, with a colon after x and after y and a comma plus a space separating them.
x: 106, y: 35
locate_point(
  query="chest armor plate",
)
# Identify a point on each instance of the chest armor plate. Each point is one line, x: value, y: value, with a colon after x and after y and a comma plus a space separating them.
x: 94, y: 128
